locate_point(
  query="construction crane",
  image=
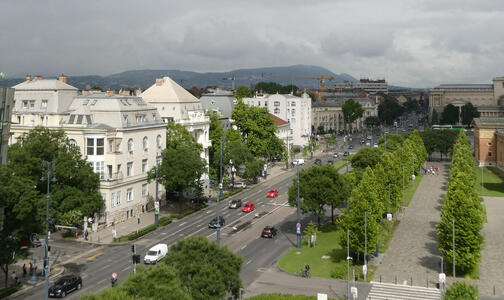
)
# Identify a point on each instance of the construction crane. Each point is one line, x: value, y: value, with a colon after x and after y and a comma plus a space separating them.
x: 233, y: 78
x: 321, y: 78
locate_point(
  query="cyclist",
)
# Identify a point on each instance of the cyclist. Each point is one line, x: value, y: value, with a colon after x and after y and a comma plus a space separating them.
x: 306, y: 269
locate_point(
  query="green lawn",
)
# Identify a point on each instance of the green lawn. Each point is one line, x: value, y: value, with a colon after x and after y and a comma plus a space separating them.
x: 285, y: 297
x: 493, y: 181
x: 410, y: 190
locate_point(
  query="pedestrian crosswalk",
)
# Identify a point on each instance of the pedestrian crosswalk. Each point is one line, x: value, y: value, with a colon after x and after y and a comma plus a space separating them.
x: 390, y: 291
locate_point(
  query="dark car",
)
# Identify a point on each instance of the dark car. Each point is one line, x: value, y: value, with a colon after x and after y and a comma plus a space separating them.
x: 330, y: 162
x: 269, y: 232
x: 65, y: 285
x: 318, y: 161
x: 346, y: 153
x: 235, y: 203
x: 213, y: 223
x: 350, y: 146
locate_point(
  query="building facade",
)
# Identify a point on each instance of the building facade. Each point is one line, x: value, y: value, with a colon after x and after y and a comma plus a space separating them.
x: 6, y: 106
x: 297, y: 111
x: 221, y: 103
x: 367, y: 85
x: 486, y: 140
x: 176, y: 104
x: 487, y: 98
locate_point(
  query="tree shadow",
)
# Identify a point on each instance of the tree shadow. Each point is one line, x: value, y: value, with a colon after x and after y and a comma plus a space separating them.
x: 493, y: 186
x: 431, y: 262
x: 432, y: 247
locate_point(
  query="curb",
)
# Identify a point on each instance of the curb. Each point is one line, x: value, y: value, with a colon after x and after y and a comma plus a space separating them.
x: 27, y: 286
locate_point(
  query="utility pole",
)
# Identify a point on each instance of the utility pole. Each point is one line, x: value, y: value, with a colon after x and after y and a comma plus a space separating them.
x: 298, y: 230
x: 218, y: 195
x: 453, y: 236
x: 347, y: 164
x: 385, y: 141
x: 365, y: 243
x: 481, y: 181
x: 47, y: 168
x: 156, y: 203
x: 348, y: 263
x: 389, y: 209
x: 288, y: 151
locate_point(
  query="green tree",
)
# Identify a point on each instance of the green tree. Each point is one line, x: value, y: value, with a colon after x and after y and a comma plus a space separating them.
x: 253, y: 169
x: 216, y: 133
x: 71, y: 217
x: 435, y: 117
x: 450, y: 114
x: 352, y: 110
x: 181, y: 166
x: 372, y: 121
x: 460, y: 290
x: 206, y: 270
x: 243, y: 92
x: 366, y: 157
x: 273, y: 88
x: 411, y: 106
x: 389, y: 110
x: 468, y: 113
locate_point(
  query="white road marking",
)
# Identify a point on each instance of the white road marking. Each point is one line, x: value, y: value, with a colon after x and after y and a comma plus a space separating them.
x: 244, y: 246
x: 98, y: 283
x: 182, y: 224
x: 248, y: 262
x: 125, y: 269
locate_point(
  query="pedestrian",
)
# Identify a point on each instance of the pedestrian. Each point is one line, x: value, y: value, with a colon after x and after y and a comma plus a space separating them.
x: 31, y: 268
x: 425, y: 171
x: 24, y: 270
x: 86, y: 233
x: 14, y: 277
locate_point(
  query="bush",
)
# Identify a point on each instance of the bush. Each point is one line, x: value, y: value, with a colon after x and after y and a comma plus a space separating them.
x: 461, y: 291
x: 4, y: 293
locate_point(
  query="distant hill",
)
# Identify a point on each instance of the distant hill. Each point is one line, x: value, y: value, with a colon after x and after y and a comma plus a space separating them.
x: 298, y: 75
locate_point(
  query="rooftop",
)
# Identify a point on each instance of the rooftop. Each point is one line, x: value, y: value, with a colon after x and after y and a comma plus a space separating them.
x: 166, y: 90
x: 465, y: 86
x: 43, y: 84
x: 278, y: 121
x: 488, y: 121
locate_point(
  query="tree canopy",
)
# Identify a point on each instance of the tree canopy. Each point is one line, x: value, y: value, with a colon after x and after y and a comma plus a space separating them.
x: 468, y: 113
x: 450, y: 114
x: 372, y: 121
x: 352, y: 110
x: 243, y: 92
x: 366, y: 157
x: 273, y: 88
x: 389, y: 110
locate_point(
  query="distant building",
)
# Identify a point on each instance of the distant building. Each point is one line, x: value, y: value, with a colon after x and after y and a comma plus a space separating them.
x: 119, y: 135
x: 6, y: 106
x: 174, y: 103
x: 221, y: 103
x: 283, y: 131
x: 487, y: 98
x: 487, y: 132
x: 367, y: 85
x: 297, y: 111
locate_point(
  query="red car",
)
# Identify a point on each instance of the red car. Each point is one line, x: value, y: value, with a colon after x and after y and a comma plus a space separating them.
x: 272, y: 193
x: 248, y: 207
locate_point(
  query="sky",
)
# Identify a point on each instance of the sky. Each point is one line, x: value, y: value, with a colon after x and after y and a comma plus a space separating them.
x: 414, y: 43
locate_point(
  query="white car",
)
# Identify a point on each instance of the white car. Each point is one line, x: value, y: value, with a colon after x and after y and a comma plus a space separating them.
x: 368, y: 144
x: 238, y: 185
x: 335, y: 155
x: 155, y: 254
x: 298, y: 161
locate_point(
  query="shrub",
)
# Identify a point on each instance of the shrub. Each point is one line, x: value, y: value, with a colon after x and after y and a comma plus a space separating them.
x: 461, y: 291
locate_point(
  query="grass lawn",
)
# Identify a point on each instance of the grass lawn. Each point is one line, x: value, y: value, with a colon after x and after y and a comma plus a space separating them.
x: 327, y: 244
x: 410, y: 190
x: 493, y: 181
x: 285, y: 297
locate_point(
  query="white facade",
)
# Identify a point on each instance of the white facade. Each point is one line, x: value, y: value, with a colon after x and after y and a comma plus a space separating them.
x: 370, y: 86
x: 118, y: 135
x: 174, y: 103
x: 295, y: 110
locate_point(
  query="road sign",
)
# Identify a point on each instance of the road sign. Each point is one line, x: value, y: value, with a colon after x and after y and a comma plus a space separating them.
x: 364, y: 269
x: 298, y: 225
x: 114, y: 275
x: 389, y: 217
x: 442, y: 277
x: 298, y: 231
x: 353, y: 292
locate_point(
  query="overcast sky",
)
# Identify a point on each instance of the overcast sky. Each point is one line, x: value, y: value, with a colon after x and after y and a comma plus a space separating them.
x: 416, y: 43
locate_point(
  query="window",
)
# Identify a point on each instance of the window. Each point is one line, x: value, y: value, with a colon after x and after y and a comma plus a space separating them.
x: 258, y: 103
x: 276, y: 110
x: 129, y: 169
x: 118, y: 198
x: 144, y: 166
x: 110, y: 145
x: 90, y: 146
x: 144, y: 190
x: 43, y: 104
x: 490, y: 144
x: 154, y: 117
x: 25, y: 104
x: 145, y: 143
x: 99, y: 168
x: 112, y: 199
x: 130, y: 145
x: 293, y: 111
x: 32, y: 103
x: 158, y: 141
x: 276, y: 103
x: 100, y: 146
x: 293, y: 104
x: 126, y: 120
x: 265, y: 103
x: 293, y: 120
x: 72, y: 119
x: 79, y: 119
x: 141, y: 119
x: 489, y: 154
x: 129, y: 195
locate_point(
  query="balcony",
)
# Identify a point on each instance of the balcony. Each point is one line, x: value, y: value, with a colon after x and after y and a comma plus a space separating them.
x: 117, y: 176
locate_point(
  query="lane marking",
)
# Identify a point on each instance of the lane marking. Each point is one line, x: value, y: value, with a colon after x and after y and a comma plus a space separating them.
x: 248, y: 262
x: 182, y: 224
x: 244, y: 246
x: 94, y: 256
x: 125, y: 269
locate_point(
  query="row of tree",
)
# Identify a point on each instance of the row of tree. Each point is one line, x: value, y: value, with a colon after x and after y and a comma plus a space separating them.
x: 439, y: 141
x: 379, y: 191
x: 463, y: 206
x: 453, y: 115
x: 194, y: 268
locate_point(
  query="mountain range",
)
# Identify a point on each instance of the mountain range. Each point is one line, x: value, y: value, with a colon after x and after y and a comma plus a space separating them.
x: 299, y: 75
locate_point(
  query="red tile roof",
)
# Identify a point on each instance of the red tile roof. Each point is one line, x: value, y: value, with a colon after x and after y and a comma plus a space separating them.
x: 278, y: 121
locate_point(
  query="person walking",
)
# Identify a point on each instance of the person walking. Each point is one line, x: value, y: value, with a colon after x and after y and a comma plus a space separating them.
x: 31, y: 268
x: 24, y: 270
x: 14, y: 277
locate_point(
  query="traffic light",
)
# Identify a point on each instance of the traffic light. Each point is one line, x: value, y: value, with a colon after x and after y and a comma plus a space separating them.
x: 136, y: 258
x: 133, y: 248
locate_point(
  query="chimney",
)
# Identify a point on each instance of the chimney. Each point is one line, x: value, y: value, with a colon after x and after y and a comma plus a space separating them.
x: 125, y: 92
x: 62, y: 78
x: 37, y: 77
x: 85, y: 92
x: 110, y: 93
x: 159, y: 81
x: 28, y: 78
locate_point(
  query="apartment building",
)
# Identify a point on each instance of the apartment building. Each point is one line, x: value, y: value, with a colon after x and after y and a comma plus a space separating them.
x: 364, y: 84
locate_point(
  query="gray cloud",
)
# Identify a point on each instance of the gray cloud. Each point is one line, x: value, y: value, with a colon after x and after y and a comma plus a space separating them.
x: 414, y: 43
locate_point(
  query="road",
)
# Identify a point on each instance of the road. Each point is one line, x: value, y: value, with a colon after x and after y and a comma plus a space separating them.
x: 96, y: 265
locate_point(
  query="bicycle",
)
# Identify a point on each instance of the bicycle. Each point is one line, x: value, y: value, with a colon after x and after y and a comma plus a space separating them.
x: 304, y: 273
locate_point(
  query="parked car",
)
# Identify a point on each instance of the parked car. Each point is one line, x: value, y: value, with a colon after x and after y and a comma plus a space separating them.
x: 346, y: 154
x: 248, y: 207
x: 269, y: 232
x: 155, y: 254
x: 350, y: 146
x: 235, y: 203
x: 318, y: 161
x: 65, y: 285
x: 272, y: 193
x: 330, y: 162
x: 335, y: 155
x: 298, y: 161
x: 368, y: 144
x: 213, y: 223
x: 238, y: 185
x: 375, y: 145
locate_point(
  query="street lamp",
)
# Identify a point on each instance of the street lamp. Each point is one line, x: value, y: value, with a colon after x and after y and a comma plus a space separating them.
x: 348, y: 263
x: 365, y: 244
x: 156, y: 201
x: 218, y: 195
x: 298, y: 229
x: 389, y: 206
x: 453, y: 239
x: 47, y: 169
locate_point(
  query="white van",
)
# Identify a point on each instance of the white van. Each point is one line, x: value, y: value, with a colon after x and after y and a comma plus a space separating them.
x: 155, y: 254
x: 298, y: 161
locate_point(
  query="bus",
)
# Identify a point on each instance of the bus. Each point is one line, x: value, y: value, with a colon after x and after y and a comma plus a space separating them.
x: 449, y: 127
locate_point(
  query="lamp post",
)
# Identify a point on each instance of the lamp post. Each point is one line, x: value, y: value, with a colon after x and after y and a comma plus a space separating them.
x: 481, y: 181
x: 298, y: 230
x: 47, y: 169
x: 348, y: 263
x: 218, y: 195
x: 453, y: 237
x: 389, y: 209
x: 365, y: 243
x: 156, y: 201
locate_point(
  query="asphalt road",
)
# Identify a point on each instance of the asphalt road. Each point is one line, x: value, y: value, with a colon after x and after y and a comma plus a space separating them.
x: 95, y: 266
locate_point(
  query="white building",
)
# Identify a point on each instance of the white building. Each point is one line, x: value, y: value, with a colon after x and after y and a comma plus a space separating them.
x: 368, y: 85
x: 295, y: 110
x: 119, y: 135
x: 174, y: 103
